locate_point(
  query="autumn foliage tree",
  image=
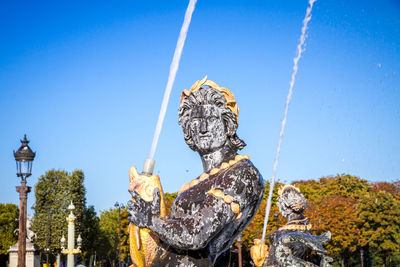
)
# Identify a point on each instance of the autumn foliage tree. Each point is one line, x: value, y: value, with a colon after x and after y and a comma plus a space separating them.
x: 255, y: 228
x: 338, y: 214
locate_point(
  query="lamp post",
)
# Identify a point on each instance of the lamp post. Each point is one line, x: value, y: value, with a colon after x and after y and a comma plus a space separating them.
x: 239, y: 240
x: 362, y: 257
x: 47, y: 249
x: 119, y: 206
x: 24, y: 158
x: 71, y: 250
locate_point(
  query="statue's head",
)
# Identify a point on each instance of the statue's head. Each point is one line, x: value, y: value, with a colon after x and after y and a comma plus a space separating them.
x: 290, y: 200
x: 209, y: 117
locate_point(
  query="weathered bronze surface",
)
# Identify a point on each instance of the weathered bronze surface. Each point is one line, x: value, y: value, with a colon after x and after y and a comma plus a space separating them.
x: 291, y: 243
x: 142, y: 241
x: 213, y: 209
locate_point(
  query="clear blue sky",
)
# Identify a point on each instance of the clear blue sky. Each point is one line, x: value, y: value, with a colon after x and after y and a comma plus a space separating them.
x: 84, y: 80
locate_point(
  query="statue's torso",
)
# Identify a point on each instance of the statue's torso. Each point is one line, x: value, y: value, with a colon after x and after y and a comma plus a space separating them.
x: 244, y: 183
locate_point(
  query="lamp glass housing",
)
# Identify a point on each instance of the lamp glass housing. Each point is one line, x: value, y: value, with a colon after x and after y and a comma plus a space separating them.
x: 24, y: 158
x: 79, y: 241
x: 24, y: 168
x: 62, y: 241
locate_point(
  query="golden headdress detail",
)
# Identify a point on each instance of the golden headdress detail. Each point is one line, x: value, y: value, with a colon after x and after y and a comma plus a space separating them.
x: 286, y: 186
x: 229, y: 97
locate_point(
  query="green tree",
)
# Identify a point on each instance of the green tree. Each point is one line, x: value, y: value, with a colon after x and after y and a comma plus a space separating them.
x: 109, y: 235
x: 54, y: 191
x: 344, y: 185
x: 8, y: 224
x: 169, y: 199
x: 76, y: 192
x: 380, y: 212
x: 91, y: 234
x: 50, y: 209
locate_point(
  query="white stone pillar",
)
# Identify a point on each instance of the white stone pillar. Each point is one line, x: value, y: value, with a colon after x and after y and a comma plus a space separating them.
x: 71, y: 240
x: 58, y: 260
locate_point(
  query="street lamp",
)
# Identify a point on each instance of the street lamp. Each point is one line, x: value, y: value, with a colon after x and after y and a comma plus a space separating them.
x: 24, y: 158
x: 47, y: 249
x: 239, y: 240
x: 71, y: 250
x: 119, y: 206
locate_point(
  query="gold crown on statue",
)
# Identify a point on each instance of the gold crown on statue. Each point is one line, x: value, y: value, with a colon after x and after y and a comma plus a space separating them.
x: 286, y: 186
x: 229, y: 97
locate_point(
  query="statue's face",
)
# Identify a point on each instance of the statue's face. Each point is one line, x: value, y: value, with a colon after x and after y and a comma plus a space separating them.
x: 282, y: 208
x: 207, y: 128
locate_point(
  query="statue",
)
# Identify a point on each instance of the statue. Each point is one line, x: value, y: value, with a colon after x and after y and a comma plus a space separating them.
x: 290, y: 242
x: 30, y: 235
x: 210, y: 211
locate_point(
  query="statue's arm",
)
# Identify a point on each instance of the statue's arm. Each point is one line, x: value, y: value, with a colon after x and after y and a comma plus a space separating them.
x: 196, y: 231
x: 190, y: 232
x: 223, y: 204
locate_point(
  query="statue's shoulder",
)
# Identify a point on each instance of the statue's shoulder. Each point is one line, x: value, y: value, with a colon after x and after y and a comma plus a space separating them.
x: 245, y: 171
x: 242, y: 178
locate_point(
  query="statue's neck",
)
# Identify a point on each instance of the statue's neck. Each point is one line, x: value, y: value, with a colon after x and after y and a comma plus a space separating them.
x: 216, y: 158
x: 295, y: 216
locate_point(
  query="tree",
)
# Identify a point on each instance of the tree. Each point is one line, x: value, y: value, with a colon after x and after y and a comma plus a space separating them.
x: 50, y: 209
x: 8, y: 224
x: 76, y: 192
x: 341, y: 185
x: 169, y: 199
x: 54, y: 191
x: 255, y: 228
x: 109, y: 235
x: 332, y: 206
x: 337, y: 214
x: 390, y: 188
x: 397, y: 184
x: 380, y: 212
x: 91, y: 234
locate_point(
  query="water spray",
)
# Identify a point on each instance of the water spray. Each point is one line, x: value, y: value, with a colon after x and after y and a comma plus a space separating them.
x: 149, y: 162
x: 300, y: 50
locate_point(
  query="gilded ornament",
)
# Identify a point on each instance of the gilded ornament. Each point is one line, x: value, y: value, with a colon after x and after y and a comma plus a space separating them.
x: 228, y: 199
x: 258, y: 252
x: 238, y: 216
x: 214, y: 171
x: 235, y: 207
x: 283, y: 188
x: 194, y: 182
x: 238, y: 157
x: 142, y: 241
x: 228, y: 95
x: 224, y: 165
x: 296, y: 227
x: 218, y: 194
x: 203, y: 176
x: 184, y: 187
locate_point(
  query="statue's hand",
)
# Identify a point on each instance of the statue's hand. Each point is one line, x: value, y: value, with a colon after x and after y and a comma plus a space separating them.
x: 258, y: 252
x: 143, y: 212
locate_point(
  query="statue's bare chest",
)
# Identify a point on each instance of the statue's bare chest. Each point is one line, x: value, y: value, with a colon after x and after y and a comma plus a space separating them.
x: 192, y: 200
